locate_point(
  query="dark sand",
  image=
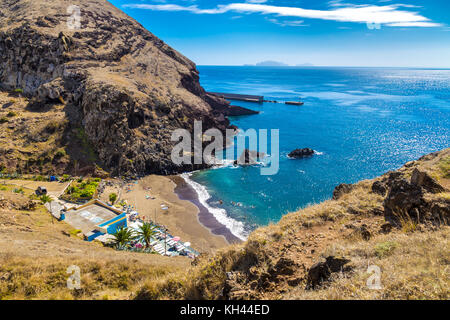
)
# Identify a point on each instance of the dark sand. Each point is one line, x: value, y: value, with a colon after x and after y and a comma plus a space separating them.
x: 186, y: 192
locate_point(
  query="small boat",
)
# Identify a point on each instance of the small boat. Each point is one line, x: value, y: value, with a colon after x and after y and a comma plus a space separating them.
x: 295, y: 103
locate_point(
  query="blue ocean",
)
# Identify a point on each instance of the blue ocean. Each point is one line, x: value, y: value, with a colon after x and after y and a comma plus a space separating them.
x: 362, y: 122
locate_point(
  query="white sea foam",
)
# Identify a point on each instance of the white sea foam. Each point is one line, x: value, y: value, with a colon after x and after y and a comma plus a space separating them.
x: 236, y: 227
x: 227, y: 163
x: 222, y: 163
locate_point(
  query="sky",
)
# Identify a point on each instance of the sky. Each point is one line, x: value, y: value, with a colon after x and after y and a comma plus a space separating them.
x: 372, y: 33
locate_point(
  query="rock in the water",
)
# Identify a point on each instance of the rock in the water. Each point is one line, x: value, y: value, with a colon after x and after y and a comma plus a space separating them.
x: 301, y: 153
x: 249, y: 157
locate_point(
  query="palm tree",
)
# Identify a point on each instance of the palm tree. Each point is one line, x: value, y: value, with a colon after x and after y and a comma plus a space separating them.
x: 45, y: 198
x: 146, y: 232
x: 123, y: 237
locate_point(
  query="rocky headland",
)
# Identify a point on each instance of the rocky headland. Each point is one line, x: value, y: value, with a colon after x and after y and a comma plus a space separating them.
x: 101, y: 98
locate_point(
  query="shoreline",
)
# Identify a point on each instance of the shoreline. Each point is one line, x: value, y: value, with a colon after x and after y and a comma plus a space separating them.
x: 149, y: 194
x: 206, y: 218
x: 186, y: 192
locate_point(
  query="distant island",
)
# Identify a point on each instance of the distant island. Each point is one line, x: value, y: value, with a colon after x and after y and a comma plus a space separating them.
x: 272, y: 63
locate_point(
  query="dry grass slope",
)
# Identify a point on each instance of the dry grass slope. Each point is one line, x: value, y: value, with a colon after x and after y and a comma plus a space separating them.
x: 275, y: 263
x: 35, y: 252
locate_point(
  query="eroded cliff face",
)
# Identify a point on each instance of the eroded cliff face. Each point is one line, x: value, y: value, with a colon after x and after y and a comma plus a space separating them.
x: 125, y: 88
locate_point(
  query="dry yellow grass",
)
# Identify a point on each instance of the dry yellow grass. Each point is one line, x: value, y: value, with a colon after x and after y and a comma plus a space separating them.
x: 413, y: 266
x: 46, y: 278
x: 36, y: 250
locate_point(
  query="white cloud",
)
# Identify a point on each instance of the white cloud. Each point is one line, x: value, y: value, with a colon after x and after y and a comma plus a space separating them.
x: 389, y: 15
x: 414, y: 24
x: 288, y: 23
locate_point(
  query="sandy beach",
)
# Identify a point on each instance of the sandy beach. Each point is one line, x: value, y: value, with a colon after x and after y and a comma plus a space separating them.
x: 182, y: 217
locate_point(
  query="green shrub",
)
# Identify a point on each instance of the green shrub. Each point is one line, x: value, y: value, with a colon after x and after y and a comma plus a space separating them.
x: 385, y: 249
x: 4, y: 120
x: 19, y: 190
x: 11, y: 114
x: 84, y: 190
x: 113, y: 197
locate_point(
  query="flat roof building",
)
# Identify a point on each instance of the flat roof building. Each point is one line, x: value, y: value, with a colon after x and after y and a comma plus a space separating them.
x: 96, y: 218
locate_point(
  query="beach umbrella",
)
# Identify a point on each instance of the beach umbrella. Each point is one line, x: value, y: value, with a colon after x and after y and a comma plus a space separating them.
x: 187, y: 244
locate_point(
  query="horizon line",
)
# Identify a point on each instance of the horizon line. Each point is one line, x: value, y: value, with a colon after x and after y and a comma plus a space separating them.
x: 320, y: 66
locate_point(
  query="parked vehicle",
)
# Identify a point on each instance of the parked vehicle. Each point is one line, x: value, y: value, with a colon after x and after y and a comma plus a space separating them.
x: 40, y: 191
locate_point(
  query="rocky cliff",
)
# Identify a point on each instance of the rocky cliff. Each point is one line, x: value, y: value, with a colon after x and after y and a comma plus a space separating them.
x: 121, y: 89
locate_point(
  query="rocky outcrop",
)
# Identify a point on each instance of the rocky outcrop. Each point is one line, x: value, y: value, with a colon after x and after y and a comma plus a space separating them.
x: 321, y: 272
x: 422, y: 179
x: 379, y: 188
x: 411, y: 199
x: 342, y: 189
x: 249, y: 157
x: 232, y: 111
x: 235, y: 111
x: 301, y: 153
x: 123, y: 86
